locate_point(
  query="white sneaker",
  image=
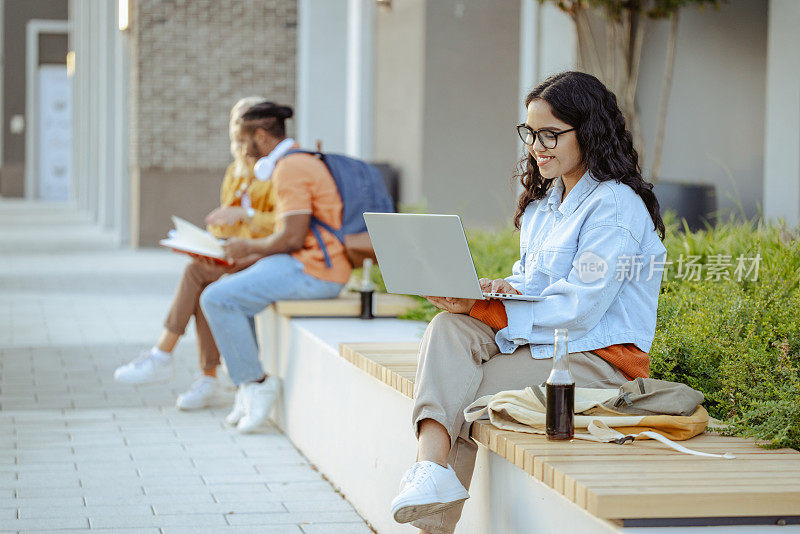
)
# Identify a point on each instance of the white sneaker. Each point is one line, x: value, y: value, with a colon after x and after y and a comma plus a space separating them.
x: 257, y: 399
x: 427, y: 488
x: 237, y: 412
x: 203, y: 392
x: 145, y: 369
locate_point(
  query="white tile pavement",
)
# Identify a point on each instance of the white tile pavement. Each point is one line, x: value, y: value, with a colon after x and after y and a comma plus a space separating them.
x: 81, y: 452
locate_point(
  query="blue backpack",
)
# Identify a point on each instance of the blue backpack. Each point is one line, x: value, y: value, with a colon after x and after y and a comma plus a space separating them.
x: 361, y: 189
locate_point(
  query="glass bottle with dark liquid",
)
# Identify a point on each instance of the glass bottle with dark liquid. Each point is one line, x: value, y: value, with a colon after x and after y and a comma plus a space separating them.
x: 560, y: 418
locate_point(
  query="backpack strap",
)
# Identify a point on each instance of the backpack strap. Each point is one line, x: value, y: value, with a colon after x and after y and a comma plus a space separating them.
x: 316, y: 223
x: 315, y: 226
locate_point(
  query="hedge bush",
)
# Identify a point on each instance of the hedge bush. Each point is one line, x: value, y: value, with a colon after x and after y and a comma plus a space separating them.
x: 736, y: 340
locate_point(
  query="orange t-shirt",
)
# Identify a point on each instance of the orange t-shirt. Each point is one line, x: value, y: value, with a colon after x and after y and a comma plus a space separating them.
x: 626, y: 357
x: 303, y: 184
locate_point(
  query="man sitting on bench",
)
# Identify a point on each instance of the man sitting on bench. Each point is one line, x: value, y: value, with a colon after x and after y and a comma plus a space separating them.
x: 293, y: 265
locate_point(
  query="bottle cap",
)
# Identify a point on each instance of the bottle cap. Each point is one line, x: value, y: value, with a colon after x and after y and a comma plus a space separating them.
x: 366, y: 280
x: 560, y: 377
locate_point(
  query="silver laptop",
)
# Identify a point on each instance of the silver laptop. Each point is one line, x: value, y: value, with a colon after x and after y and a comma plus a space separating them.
x: 427, y: 255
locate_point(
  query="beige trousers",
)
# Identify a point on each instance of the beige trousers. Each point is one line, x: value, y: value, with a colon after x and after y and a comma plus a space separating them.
x: 186, y: 303
x: 459, y: 361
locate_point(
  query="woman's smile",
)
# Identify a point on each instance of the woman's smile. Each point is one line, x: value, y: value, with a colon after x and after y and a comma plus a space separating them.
x: 542, y: 159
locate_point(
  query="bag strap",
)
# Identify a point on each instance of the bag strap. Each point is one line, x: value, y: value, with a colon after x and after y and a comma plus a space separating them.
x: 599, y: 431
x: 640, y: 382
x: 477, y: 409
x: 537, y: 390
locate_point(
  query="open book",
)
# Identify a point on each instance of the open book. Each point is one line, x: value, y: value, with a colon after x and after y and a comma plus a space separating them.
x: 190, y: 239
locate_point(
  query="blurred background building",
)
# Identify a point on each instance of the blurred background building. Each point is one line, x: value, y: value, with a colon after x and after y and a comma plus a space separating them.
x: 121, y: 106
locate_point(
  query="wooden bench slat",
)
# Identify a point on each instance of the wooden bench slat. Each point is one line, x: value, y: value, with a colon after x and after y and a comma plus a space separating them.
x: 654, y: 468
x: 640, y: 480
x: 394, y: 364
x: 686, y: 479
x: 566, y: 484
x: 695, y: 487
x: 630, y: 449
x: 512, y: 449
x: 534, y: 464
x: 348, y: 304
x: 740, y: 503
x: 384, y: 348
x: 531, y: 440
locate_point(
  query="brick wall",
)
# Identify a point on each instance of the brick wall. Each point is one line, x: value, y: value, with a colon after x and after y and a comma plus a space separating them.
x: 190, y: 61
x: 194, y: 59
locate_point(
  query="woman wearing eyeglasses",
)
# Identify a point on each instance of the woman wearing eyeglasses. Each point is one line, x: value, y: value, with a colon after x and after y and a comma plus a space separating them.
x: 590, y: 244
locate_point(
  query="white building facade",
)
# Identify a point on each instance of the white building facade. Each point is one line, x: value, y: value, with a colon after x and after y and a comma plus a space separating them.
x: 435, y: 87
x: 448, y: 78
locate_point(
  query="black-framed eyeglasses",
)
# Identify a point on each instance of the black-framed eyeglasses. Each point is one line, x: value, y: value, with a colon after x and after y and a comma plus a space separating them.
x: 548, y: 138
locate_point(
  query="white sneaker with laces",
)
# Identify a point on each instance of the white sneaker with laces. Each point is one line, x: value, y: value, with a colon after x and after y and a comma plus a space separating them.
x: 257, y: 399
x: 427, y: 488
x: 203, y: 392
x: 237, y: 412
x: 145, y: 369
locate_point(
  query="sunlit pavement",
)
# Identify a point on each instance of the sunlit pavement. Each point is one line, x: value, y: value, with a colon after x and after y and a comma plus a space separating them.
x: 79, y: 451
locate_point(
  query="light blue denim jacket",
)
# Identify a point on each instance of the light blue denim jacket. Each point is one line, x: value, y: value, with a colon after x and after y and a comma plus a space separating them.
x: 583, y: 256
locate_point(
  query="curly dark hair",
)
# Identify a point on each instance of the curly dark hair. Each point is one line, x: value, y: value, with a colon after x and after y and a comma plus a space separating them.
x: 583, y: 102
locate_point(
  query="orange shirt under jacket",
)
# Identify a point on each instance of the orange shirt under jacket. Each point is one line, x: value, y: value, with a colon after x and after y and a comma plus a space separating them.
x: 626, y: 357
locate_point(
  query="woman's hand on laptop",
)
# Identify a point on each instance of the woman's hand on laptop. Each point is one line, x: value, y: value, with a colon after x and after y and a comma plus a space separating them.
x: 452, y: 305
x: 497, y: 286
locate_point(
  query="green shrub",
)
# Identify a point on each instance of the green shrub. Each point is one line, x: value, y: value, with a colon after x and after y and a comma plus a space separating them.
x: 737, y: 341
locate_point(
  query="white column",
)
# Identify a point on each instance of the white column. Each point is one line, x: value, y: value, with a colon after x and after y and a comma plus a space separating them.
x: 92, y: 67
x: 81, y: 124
x: 322, y: 74
x: 556, y: 42
x: 782, y: 126
x: 302, y: 81
x: 76, y: 15
x: 121, y: 171
x: 360, y: 39
x: 31, y: 100
x: 102, y: 149
x: 2, y: 77
x: 528, y: 43
x: 82, y: 57
x: 547, y: 44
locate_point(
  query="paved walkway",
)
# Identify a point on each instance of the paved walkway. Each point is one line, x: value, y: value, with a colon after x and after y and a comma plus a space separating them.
x: 79, y: 451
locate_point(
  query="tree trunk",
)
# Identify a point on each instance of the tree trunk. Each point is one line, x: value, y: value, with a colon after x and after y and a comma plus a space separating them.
x: 618, y: 68
x: 637, y: 28
x: 665, y: 90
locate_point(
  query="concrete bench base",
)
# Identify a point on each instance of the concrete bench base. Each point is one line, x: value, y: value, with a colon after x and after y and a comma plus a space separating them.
x: 357, y: 431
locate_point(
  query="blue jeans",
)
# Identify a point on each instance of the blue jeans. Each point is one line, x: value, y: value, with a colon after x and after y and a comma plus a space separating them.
x: 231, y: 302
